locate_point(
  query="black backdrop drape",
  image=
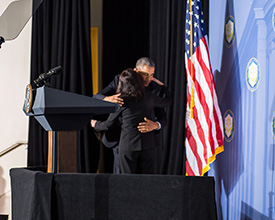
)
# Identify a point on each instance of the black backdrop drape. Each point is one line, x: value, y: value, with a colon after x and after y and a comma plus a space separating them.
x: 167, y: 34
x: 125, y: 40
x: 61, y: 36
x: 125, y: 35
x: 167, y: 50
x: 131, y: 29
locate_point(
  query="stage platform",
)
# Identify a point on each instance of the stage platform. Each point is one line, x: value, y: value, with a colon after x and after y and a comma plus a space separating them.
x: 45, y: 196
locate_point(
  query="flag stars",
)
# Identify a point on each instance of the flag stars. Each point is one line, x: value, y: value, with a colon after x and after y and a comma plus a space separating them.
x: 197, y: 24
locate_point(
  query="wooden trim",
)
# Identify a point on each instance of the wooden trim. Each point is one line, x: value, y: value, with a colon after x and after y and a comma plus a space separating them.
x: 94, y: 57
x: 50, y: 152
x: 66, y: 152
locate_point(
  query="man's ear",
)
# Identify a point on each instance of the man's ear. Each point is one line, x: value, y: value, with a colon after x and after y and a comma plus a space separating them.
x: 135, y: 69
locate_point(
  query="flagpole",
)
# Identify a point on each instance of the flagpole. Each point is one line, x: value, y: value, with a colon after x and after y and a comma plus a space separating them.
x: 192, y: 104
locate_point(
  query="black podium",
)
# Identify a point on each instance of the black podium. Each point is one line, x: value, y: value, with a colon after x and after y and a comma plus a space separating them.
x: 62, y: 114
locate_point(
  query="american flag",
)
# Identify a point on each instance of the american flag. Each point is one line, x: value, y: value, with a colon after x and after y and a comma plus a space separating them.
x: 204, y: 125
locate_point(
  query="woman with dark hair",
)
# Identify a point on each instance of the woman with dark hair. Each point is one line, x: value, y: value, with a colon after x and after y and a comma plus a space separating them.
x: 130, y: 85
x: 136, y: 149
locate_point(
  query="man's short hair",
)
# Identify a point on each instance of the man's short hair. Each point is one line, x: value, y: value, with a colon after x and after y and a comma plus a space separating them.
x: 144, y: 61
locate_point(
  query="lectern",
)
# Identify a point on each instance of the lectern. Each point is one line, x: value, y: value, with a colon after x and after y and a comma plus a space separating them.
x: 62, y: 114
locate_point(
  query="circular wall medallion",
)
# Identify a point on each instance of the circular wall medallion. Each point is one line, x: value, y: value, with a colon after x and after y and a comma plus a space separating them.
x: 252, y: 74
x: 229, y: 31
x: 229, y: 125
x: 28, y: 98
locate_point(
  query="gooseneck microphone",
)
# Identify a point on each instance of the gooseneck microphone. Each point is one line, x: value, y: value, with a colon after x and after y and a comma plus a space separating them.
x: 44, y: 77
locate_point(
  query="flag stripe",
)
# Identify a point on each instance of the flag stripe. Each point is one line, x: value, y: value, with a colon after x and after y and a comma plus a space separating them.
x: 195, y: 129
x: 205, y: 91
x: 204, y: 102
x: 217, y: 112
x: 193, y: 153
x: 208, y: 79
x: 189, y: 170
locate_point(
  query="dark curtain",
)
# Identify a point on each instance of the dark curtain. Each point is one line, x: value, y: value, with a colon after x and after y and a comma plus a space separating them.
x: 125, y: 35
x: 167, y: 34
x: 61, y: 36
x: 125, y: 40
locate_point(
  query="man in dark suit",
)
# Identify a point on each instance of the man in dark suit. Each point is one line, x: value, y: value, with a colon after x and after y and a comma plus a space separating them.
x: 146, y: 68
x: 136, y: 149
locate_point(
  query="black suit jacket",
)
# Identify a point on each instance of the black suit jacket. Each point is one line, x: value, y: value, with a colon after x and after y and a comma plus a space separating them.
x: 111, y: 137
x: 131, y: 114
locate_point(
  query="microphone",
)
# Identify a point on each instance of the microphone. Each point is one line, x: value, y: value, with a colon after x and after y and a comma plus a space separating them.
x: 44, y: 77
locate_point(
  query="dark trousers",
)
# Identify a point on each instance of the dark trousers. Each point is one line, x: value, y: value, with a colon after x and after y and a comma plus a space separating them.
x: 116, y: 160
x: 139, y: 162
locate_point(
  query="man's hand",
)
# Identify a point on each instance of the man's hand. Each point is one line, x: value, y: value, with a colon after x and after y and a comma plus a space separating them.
x: 114, y: 99
x: 147, y: 126
x: 157, y: 81
x: 93, y: 122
